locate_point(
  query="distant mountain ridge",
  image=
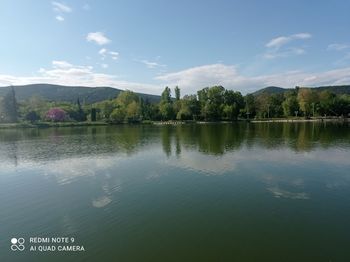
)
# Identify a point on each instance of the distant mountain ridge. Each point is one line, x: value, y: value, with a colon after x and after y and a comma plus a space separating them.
x: 271, y: 90
x: 342, y: 89
x: 60, y: 93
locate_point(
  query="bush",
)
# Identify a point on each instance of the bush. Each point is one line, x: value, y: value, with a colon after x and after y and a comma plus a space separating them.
x: 56, y: 115
x: 32, y: 116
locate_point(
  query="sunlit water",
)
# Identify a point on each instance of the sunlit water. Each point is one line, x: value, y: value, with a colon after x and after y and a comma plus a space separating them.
x: 216, y: 192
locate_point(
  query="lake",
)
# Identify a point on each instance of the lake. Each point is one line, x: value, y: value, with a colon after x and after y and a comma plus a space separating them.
x: 205, y: 192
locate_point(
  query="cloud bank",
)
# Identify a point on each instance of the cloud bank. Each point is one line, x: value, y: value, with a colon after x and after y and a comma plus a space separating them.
x: 228, y: 76
x: 65, y: 73
x: 189, y: 80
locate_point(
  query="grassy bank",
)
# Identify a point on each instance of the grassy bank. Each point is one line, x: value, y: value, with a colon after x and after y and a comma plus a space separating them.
x: 50, y: 124
x: 171, y: 122
x: 302, y: 119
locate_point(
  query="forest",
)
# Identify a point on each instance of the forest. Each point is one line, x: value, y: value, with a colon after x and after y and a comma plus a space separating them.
x: 209, y: 104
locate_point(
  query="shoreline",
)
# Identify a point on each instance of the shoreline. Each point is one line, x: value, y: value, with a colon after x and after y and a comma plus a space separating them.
x: 299, y: 120
x: 161, y: 123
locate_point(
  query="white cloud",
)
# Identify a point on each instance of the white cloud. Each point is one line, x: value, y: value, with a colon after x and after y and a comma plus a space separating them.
x: 61, y: 64
x: 59, y: 7
x: 151, y: 64
x: 288, y: 52
x: 97, y: 37
x: 202, y: 76
x: 278, y: 42
x: 104, y: 65
x: 278, y: 47
x: 338, y: 47
x: 104, y: 52
x: 59, y: 18
x: 114, y: 55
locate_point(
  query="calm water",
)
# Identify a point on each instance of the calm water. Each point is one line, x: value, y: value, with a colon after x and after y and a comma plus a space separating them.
x: 241, y: 192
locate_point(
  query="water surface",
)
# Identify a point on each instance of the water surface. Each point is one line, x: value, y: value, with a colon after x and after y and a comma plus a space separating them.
x: 214, y: 192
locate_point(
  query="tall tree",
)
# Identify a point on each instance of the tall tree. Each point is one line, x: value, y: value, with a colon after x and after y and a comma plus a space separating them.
x: 127, y: 107
x: 233, y: 102
x: 249, y: 109
x: 307, y: 99
x: 9, y: 111
x: 166, y: 95
x: 212, y: 102
x: 290, y: 104
x: 80, y: 115
x: 177, y: 93
x: 165, y: 106
x: 327, y: 103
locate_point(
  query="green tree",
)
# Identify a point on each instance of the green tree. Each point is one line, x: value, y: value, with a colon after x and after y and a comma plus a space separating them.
x: 9, y: 110
x: 76, y: 112
x: 32, y: 116
x: 118, y: 115
x: 93, y: 114
x: 327, y: 102
x: 106, y: 108
x: 189, y: 108
x: 177, y: 93
x: 212, y: 102
x: 290, y: 104
x: 307, y: 99
x: 133, y: 111
x: 127, y: 97
x: 80, y: 111
x: 342, y: 105
x: 166, y: 95
x: 249, y: 109
x: 166, y: 110
x: 275, y: 105
x: 166, y: 106
x: 126, y: 107
x: 194, y: 106
x: 233, y: 103
x: 178, y: 103
x: 37, y: 104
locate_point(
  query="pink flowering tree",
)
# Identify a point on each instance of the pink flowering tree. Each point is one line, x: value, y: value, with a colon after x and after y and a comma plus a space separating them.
x: 56, y: 115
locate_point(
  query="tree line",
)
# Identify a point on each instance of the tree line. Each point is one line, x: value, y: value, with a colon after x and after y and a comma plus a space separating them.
x: 209, y: 104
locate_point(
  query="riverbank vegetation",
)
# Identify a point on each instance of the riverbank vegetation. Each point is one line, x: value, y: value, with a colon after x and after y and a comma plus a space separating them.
x: 209, y: 104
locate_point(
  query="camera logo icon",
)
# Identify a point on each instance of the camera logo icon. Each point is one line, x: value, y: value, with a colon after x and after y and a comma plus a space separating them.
x: 17, y: 244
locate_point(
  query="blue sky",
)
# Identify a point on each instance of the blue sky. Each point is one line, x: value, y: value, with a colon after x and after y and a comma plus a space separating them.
x: 146, y: 45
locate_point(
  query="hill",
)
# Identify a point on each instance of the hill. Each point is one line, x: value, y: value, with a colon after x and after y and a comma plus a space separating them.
x: 61, y: 93
x: 345, y: 89
x: 271, y: 90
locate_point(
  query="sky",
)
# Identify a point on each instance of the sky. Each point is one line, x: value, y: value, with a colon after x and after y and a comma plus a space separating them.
x: 144, y: 46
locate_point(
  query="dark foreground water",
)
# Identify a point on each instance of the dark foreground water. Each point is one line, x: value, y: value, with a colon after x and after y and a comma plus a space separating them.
x: 240, y: 192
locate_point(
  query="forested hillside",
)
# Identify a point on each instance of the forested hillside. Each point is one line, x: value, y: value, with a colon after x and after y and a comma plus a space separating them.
x: 209, y: 104
x: 59, y: 93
